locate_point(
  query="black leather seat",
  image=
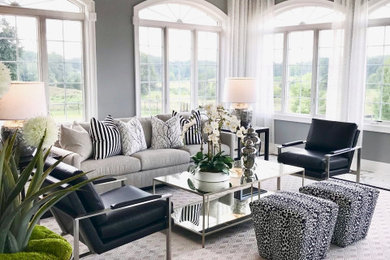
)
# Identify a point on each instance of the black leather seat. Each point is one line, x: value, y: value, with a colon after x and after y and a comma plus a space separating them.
x: 123, y: 215
x: 328, y: 150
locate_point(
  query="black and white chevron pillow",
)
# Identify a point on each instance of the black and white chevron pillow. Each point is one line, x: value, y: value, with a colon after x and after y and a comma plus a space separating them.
x: 193, y: 135
x: 106, y: 139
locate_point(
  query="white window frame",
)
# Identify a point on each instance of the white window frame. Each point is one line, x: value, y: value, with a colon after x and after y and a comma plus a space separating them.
x: 204, y: 6
x: 316, y: 28
x: 369, y: 125
x: 88, y: 17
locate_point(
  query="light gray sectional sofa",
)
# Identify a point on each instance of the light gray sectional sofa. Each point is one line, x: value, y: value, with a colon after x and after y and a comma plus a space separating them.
x: 140, y: 168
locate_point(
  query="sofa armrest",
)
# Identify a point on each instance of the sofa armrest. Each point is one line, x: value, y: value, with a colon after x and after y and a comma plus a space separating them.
x: 110, y: 180
x: 230, y: 140
x: 71, y: 158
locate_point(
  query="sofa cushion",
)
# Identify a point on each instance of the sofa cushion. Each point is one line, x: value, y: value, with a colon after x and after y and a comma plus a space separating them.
x: 146, y: 123
x: 194, y: 148
x: 116, y: 165
x: 326, y: 136
x: 124, y: 221
x: 152, y: 159
x: 314, y: 160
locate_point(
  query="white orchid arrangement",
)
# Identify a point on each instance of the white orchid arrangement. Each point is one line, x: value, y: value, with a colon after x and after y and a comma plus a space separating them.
x: 219, y: 118
x: 215, y: 161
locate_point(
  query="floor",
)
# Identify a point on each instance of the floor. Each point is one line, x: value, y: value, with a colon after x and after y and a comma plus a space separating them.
x: 239, y: 242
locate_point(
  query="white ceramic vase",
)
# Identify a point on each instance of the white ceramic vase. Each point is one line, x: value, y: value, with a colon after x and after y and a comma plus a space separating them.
x: 211, y: 181
x: 211, y: 176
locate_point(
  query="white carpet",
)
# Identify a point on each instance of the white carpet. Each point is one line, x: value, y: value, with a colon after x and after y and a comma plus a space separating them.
x: 239, y: 242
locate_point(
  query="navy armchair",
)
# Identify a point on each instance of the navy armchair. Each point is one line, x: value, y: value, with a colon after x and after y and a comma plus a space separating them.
x: 328, y: 150
x: 106, y: 221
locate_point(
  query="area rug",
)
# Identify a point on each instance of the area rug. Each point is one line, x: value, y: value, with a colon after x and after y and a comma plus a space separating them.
x: 239, y: 242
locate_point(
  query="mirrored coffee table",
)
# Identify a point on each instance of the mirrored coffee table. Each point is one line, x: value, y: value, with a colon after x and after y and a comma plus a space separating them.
x: 219, y: 209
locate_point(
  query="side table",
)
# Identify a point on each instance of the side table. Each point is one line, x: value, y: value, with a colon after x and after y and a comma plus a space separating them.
x: 259, y: 131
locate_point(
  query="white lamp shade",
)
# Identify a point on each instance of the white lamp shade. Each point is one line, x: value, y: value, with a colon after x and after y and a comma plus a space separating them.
x: 240, y: 90
x: 23, y: 100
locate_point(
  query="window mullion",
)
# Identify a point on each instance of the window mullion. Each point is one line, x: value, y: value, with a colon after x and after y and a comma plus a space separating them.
x: 194, y: 74
x: 43, y: 57
x: 166, y: 71
x: 285, y: 73
x: 314, y: 90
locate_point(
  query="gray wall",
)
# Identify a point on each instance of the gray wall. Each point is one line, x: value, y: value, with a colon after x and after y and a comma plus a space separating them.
x: 115, y: 55
x: 376, y: 146
x: 116, y: 83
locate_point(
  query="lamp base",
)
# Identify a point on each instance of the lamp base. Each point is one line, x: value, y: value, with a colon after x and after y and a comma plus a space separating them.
x: 244, y: 115
x: 8, y: 130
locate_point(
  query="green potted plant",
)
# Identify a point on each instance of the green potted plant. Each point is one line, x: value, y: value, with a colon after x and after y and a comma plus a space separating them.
x: 214, y: 166
x: 24, y: 200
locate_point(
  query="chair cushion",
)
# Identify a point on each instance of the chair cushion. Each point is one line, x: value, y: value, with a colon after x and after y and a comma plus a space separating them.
x: 194, y: 148
x: 87, y: 194
x: 125, y: 221
x: 314, y: 160
x: 116, y: 165
x: 153, y: 159
x: 326, y: 136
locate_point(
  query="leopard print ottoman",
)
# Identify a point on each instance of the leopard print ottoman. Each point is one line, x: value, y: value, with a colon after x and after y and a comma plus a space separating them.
x: 356, y: 206
x: 291, y: 225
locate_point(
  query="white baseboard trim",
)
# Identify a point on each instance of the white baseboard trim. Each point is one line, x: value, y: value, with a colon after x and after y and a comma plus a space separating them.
x: 373, y: 166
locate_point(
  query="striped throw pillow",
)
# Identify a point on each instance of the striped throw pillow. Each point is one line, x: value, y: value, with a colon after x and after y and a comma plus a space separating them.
x: 193, y: 135
x: 106, y: 139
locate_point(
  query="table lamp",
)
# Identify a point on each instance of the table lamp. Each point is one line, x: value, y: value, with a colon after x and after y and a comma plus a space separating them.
x: 24, y: 100
x: 241, y: 93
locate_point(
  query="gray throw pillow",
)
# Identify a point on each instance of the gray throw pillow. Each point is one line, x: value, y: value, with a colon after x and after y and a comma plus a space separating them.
x: 76, y: 139
x: 132, y: 136
x: 166, y: 134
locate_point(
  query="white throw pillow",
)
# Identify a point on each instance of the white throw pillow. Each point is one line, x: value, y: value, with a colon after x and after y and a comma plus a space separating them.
x: 76, y: 139
x: 132, y: 136
x: 166, y: 134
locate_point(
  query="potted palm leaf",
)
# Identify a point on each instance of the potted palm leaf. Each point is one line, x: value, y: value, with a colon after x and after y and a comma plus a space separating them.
x: 24, y: 200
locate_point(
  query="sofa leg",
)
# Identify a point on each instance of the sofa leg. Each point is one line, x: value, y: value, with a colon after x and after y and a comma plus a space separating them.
x: 168, y: 231
x: 76, y: 239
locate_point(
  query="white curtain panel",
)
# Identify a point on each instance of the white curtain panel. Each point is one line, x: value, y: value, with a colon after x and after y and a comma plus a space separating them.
x: 347, y: 66
x: 251, y: 53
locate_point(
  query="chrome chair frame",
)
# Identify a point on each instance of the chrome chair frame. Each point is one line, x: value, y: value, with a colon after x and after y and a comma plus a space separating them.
x: 76, y: 226
x: 330, y: 155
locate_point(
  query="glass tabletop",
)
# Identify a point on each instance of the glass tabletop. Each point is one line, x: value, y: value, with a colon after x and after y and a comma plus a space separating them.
x: 265, y: 170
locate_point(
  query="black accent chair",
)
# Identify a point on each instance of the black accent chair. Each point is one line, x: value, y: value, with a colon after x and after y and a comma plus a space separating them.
x: 109, y: 220
x: 328, y: 150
